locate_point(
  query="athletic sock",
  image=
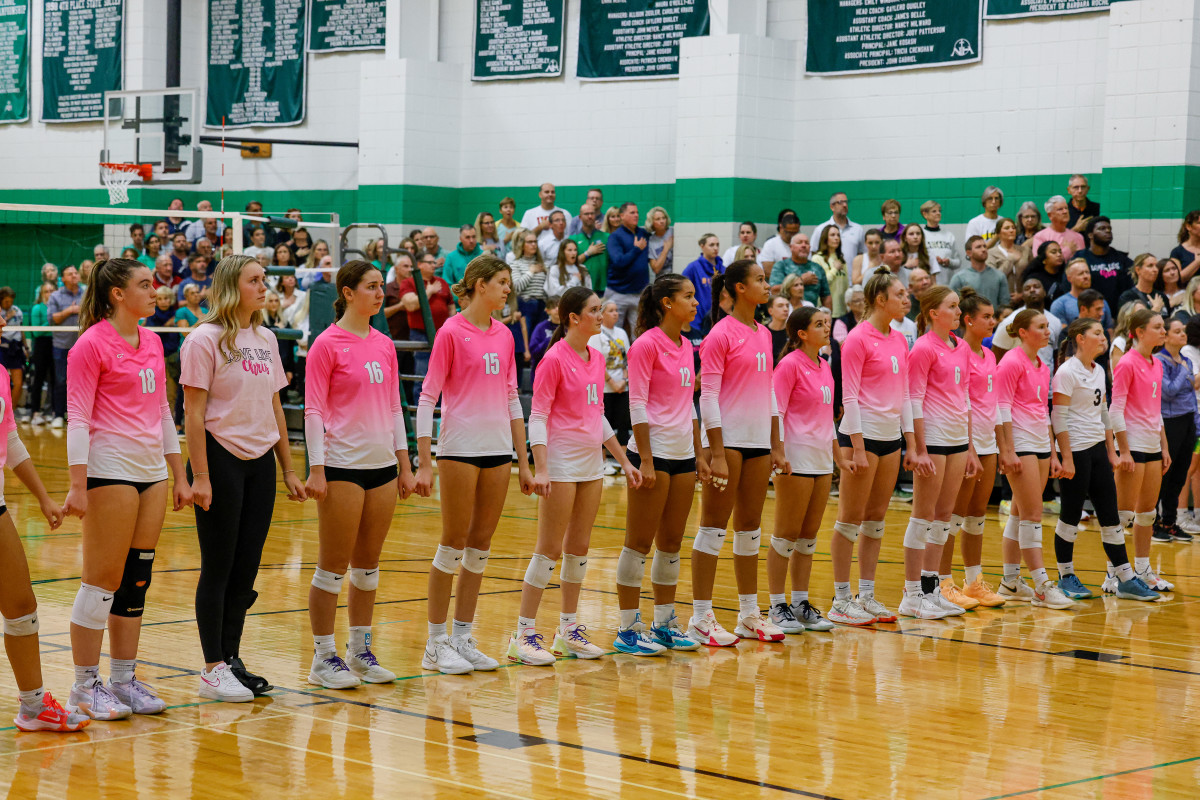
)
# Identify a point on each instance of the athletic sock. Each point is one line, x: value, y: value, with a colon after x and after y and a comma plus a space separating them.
x: 460, y: 629
x: 841, y: 591
x: 121, y: 669
x: 437, y: 629
x: 913, y: 588
x: 975, y: 572
x: 701, y: 608
x: 929, y: 580
x: 526, y: 624
x: 86, y: 676
x: 748, y: 605
x: 1012, y: 573
x: 32, y: 700
x: 1141, y: 564
x: 799, y: 597
x: 1124, y: 572
x: 326, y: 646
x: 866, y: 588
x: 1040, y: 576
x: 778, y: 599
x: 1065, y: 568
x: 360, y: 638
x: 944, y: 578
x: 663, y: 613
x: 567, y: 619
x: 628, y: 615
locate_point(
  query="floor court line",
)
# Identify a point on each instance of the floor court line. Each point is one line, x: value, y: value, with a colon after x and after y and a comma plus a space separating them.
x: 1132, y: 771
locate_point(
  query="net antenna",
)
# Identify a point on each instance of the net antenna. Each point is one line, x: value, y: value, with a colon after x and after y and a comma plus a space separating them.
x: 117, y: 178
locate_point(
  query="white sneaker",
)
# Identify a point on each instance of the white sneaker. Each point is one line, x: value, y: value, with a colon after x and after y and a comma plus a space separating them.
x: 138, y: 696
x: 220, y: 684
x: 848, y: 612
x: 1151, y: 579
x: 939, y: 600
x: 876, y: 609
x: 781, y: 617
x: 1110, y: 583
x: 527, y: 649
x: 707, y: 630
x: 1048, y: 595
x: 468, y: 648
x: 570, y: 641
x: 756, y: 626
x: 97, y: 701
x: 441, y: 656
x: 367, y: 668
x: 56, y: 423
x: 921, y: 606
x: 1186, y: 520
x: 331, y: 672
x: 37, y: 419
x: 1020, y: 591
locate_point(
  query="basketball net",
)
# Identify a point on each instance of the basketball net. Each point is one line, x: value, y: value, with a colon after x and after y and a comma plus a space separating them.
x: 117, y: 178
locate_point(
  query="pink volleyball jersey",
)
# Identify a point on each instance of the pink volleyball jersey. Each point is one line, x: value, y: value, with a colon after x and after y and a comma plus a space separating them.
x: 1137, y: 396
x: 938, y: 379
x: 875, y: 381
x: 735, y: 383
x: 568, y: 398
x: 8, y: 424
x: 983, y: 401
x: 1022, y: 389
x: 353, y: 386
x: 804, y: 392
x: 117, y: 394
x: 475, y: 374
x: 661, y: 386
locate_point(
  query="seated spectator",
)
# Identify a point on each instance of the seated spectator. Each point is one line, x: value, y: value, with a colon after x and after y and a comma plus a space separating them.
x: 551, y: 239
x: 137, y: 236
x: 1170, y: 284
x: 984, y: 225
x: 485, y: 229
x: 273, y: 311
x: 812, y: 276
x: 197, y: 276
x: 85, y: 271
x: 164, y: 275
x: 539, y: 339
x: 1069, y: 305
x: 180, y: 253
x: 595, y: 201
x: 1111, y: 268
x: 1006, y: 255
x: 940, y: 242
x: 289, y: 294
x: 919, y: 281
x: 537, y: 219
x: 189, y: 313
x: 1189, y: 308
x: 528, y: 275
x: 466, y: 251
x: 986, y: 281
x: 856, y: 306
x: 613, y: 343
x: 226, y: 248
x: 407, y: 246
x: 12, y: 346
x: 567, y: 271
x: 1056, y: 212
x: 891, y: 228
x: 371, y: 253
x: 851, y: 232
x: 150, y: 255
x: 612, y: 220
x: 204, y: 248
x: 1145, y: 272
x: 778, y: 309
x: 916, y: 255
x: 1048, y: 269
x: 593, y: 248
x: 507, y: 226
x: 164, y: 317
x: 258, y: 244
x: 869, y: 260
x: 1080, y: 209
x: 662, y: 241
x: 301, y: 245
x: 747, y: 234
x: 510, y: 316
x: 628, y: 266
x: 253, y: 208
x: 777, y: 247
x: 285, y: 235
x: 701, y: 273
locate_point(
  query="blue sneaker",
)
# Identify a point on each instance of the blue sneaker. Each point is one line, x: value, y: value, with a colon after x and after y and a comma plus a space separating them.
x: 634, y: 640
x: 1073, y: 588
x: 1136, y: 589
x: 671, y: 636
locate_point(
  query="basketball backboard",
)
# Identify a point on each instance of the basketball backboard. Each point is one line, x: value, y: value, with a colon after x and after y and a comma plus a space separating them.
x: 156, y: 127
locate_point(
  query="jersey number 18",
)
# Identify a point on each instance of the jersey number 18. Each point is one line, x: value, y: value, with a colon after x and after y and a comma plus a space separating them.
x: 147, y: 376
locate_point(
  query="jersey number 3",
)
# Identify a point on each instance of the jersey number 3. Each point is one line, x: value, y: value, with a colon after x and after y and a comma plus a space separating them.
x: 147, y: 376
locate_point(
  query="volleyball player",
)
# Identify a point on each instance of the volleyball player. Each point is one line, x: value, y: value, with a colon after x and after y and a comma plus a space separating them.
x: 738, y: 411
x: 876, y: 423
x: 473, y: 370
x: 664, y: 448
x: 939, y: 375
x: 803, y: 383
x: 1136, y: 413
x: 351, y: 392
x: 978, y: 322
x: 1027, y: 454
x: 120, y: 440
x: 231, y: 375
x: 567, y: 428
x: 1085, y: 439
x: 37, y: 708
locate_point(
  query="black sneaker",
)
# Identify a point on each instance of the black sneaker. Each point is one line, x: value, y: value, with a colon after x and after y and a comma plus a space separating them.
x: 254, y: 683
x: 1161, y: 534
x: 1178, y: 534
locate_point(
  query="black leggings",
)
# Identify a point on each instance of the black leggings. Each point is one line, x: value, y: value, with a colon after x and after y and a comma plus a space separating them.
x: 43, y: 372
x: 1181, y: 438
x: 232, y: 533
x: 1093, y: 479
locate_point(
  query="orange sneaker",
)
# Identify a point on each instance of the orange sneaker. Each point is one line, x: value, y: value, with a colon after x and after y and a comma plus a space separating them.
x: 951, y: 592
x: 982, y: 593
x: 51, y: 717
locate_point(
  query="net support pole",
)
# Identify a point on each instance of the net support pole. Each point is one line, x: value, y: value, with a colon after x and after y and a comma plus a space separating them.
x: 337, y: 238
x: 237, y: 233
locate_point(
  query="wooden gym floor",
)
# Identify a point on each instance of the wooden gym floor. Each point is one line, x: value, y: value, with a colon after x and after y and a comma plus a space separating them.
x: 1102, y: 702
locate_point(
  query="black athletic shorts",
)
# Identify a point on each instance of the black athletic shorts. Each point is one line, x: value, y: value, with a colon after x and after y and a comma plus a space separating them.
x: 751, y: 452
x: 3, y: 510
x: 1040, y: 456
x: 874, y: 446
x: 141, y: 486
x: 368, y: 479
x: 946, y: 449
x: 1145, y: 458
x: 671, y: 466
x: 483, y: 462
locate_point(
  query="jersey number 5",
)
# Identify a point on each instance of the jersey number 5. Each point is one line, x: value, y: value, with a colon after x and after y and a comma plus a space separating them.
x: 491, y: 364
x: 374, y: 371
x: 147, y: 376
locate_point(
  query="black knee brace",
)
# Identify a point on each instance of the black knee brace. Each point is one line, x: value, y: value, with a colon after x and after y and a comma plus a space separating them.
x: 130, y: 598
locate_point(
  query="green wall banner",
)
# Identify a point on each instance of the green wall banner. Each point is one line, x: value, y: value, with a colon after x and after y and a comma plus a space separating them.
x: 346, y: 25
x: 1011, y: 9
x: 518, y: 39
x: 14, y: 61
x: 256, y: 63
x: 81, y: 57
x: 622, y: 40
x: 850, y: 36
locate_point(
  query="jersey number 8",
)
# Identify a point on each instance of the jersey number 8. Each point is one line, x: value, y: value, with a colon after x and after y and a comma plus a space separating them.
x: 895, y: 366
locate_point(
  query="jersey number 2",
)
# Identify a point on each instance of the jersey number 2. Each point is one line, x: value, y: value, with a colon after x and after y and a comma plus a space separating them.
x: 147, y: 376
x: 374, y: 372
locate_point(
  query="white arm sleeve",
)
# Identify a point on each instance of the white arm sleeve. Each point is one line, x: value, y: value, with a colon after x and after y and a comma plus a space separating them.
x: 774, y: 404
x: 851, y: 417
x: 537, y: 429
x: 399, y: 433
x: 170, y: 436
x: 710, y: 411
x: 78, y: 444
x: 608, y: 430
x: 314, y: 437
x: 514, y: 409
x: 17, y: 454
x: 918, y: 409
x: 1059, y: 415
x: 637, y: 414
x: 1104, y: 417
x: 425, y: 421
x: 1004, y: 413
x: 906, y: 417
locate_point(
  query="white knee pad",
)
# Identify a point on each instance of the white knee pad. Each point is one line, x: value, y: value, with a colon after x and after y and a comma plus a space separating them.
x: 365, y: 580
x: 1144, y: 518
x: 973, y: 526
x: 573, y: 569
x: 664, y: 570
x: 327, y: 581
x: 631, y: 568
x: 745, y: 543
x: 938, y: 533
x: 447, y: 559
x: 915, y: 534
x: 848, y: 530
x: 1066, y: 532
x: 21, y: 626
x: 956, y: 521
x: 1112, y: 534
x: 474, y: 560
x: 1012, y: 528
x: 539, y: 571
x: 872, y: 528
x: 783, y: 547
x: 806, y: 547
x: 91, y: 607
x: 1030, y: 534
x: 709, y: 540
x: 1126, y: 518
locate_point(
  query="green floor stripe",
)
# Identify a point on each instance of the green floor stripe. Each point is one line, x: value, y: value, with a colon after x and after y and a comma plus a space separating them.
x: 1094, y: 778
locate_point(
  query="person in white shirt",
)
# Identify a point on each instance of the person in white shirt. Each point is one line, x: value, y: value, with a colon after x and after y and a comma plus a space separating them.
x: 537, y: 219
x: 747, y: 234
x: 984, y: 225
x: 779, y: 246
x: 258, y: 244
x: 552, y: 238
x: 1035, y: 297
x: 853, y: 234
x: 943, y: 250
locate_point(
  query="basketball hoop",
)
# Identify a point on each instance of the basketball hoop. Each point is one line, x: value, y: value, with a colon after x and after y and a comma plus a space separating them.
x: 117, y: 178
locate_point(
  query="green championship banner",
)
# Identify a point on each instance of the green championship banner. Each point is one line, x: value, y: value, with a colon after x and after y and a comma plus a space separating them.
x: 636, y: 39
x: 14, y: 60
x: 81, y: 57
x: 1012, y: 9
x: 850, y: 36
x: 256, y: 63
x: 346, y: 25
x: 518, y: 39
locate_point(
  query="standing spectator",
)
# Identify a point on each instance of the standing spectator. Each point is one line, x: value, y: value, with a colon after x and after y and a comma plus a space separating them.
x: 63, y: 308
x: 612, y: 220
x: 253, y: 208
x: 164, y: 274
x: 1169, y: 283
x: 1070, y: 305
x: 870, y: 259
x: 528, y: 276
x: 1145, y: 270
x: 984, y: 225
x: 567, y: 271
x: 747, y: 234
x: 189, y: 312
x: 393, y: 308
x: 430, y: 244
x: 940, y: 242
x: 43, y: 352
x: 701, y: 273
x: 1179, y: 425
x: 919, y: 281
x: 197, y: 276
x: 162, y: 229
x: 137, y: 237
x: 777, y: 247
x: 507, y: 226
x: 200, y: 228
x: 745, y: 251
x: 85, y: 272
x: 856, y: 305
x: 1072, y: 242
x: 1005, y: 254
x: 12, y: 346
x: 258, y: 244
x: 829, y: 258
x: 1189, y: 245
x: 852, y: 233
x: 986, y: 281
x: 662, y: 241
x: 1110, y: 267
x: 176, y: 223
x: 314, y: 266
x: 551, y: 239
x: 152, y: 251
x: 180, y: 250
x: 464, y: 253
x: 164, y: 317
x: 537, y: 219
x: 613, y: 343
x: 793, y: 291
x: 283, y: 256
x: 916, y: 255
x: 1080, y: 209
x: 891, y: 228
x: 593, y: 247
x: 539, y: 340
x: 301, y: 245
x: 628, y: 265
x: 778, y: 309
x: 595, y: 201
x: 816, y: 287
x: 891, y: 255
x: 1048, y: 269
x: 289, y: 295
x: 283, y: 235
x: 1034, y: 297
x: 440, y: 308
x: 1029, y: 222
x: 489, y: 240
